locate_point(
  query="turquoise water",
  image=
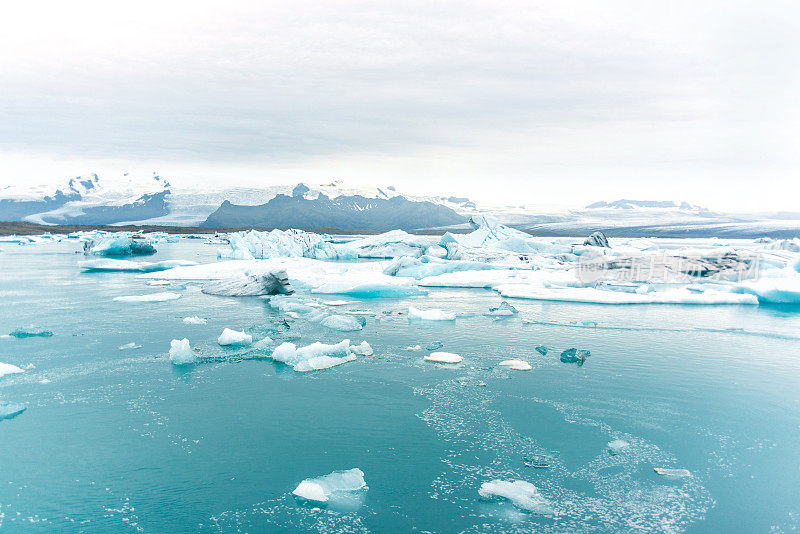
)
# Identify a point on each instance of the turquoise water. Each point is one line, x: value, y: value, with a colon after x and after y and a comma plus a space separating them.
x: 120, y: 440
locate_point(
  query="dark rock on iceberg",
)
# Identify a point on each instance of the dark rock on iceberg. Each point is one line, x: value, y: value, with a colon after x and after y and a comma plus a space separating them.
x: 251, y: 285
x: 597, y: 239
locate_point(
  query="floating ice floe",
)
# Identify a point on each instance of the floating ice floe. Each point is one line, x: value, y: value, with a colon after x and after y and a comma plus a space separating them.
x: 618, y: 446
x: 574, y: 355
x: 414, y: 348
x: 249, y: 285
x: 130, y: 245
x: 158, y: 282
x: 325, y: 488
x: 339, y: 302
x: 364, y: 349
x: 152, y: 297
x: 504, y: 309
x: 669, y: 472
x: 318, y: 355
x: 541, y: 349
x: 430, y: 315
x: 425, y: 266
x: 180, y: 353
x: 343, y: 323
x: 356, y: 279
x: 517, y: 365
x: 9, y: 369
x: 20, y: 333
x: 114, y: 265
x: 10, y: 410
x: 194, y: 320
x: 443, y: 357
x: 522, y: 494
x: 130, y: 345
x: 234, y: 338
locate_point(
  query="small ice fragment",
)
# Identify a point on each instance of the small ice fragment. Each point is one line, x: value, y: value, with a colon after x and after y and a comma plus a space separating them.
x: 152, y: 297
x: 45, y: 381
x: 430, y: 315
x: 20, y: 333
x: 443, y: 357
x: 339, y: 302
x: 504, y: 309
x: 130, y: 345
x: 415, y: 347
x: 541, y: 349
x: 574, y: 355
x: 536, y: 463
x: 667, y: 472
x: 618, y: 446
x: 158, y: 282
x: 8, y: 369
x: 363, y: 350
x: 180, y: 353
x: 234, y: 338
x: 11, y: 410
x: 523, y: 494
x: 517, y: 365
x: 435, y: 345
x: 317, y: 363
x: 343, y: 323
x: 194, y: 320
x: 320, y: 489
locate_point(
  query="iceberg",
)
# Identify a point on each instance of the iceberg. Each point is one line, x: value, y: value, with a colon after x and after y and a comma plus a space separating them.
x: 388, y: 245
x: 233, y: 338
x: 130, y: 345
x: 574, y: 355
x: 8, y: 369
x: 425, y: 266
x: 281, y: 244
x: 152, y: 297
x: 194, y: 320
x: 504, y: 309
x: 10, y: 410
x: 430, y: 315
x: 443, y: 357
x: 315, y: 356
x: 120, y: 246
x: 323, y: 488
x: 180, y: 353
x: 677, y: 473
x: 522, y: 494
x: 541, y: 349
x: 20, y: 333
x: 597, y: 239
x: 318, y: 363
x: 248, y: 285
x: 434, y: 345
x: 364, y: 349
x: 517, y: 365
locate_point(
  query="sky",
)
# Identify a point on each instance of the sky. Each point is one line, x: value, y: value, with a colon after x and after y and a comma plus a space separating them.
x: 520, y: 102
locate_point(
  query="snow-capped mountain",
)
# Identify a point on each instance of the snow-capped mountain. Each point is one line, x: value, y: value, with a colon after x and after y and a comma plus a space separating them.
x: 378, y: 209
x: 87, y: 200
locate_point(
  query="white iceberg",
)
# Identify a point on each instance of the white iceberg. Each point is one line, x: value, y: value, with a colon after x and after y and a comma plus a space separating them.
x: 517, y: 365
x: 130, y: 345
x: 443, y: 357
x: 9, y: 369
x: 180, y: 353
x: 315, y: 356
x: 430, y: 315
x: 152, y: 297
x: 669, y: 472
x: 194, y: 320
x: 522, y: 494
x: 234, y: 338
x: 321, y: 489
x: 317, y: 363
x: 364, y: 349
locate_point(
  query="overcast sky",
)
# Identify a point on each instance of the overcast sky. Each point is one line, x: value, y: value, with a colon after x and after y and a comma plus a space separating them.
x: 537, y: 102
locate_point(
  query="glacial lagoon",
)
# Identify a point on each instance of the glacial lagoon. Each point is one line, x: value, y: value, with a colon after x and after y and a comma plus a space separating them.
x: 113, y: 437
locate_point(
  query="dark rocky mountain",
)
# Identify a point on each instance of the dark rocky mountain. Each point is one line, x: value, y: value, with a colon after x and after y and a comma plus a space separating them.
x: 345, y: 212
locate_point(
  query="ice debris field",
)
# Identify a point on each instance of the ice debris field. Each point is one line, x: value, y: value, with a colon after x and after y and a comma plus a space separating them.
x: 488, y: 381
